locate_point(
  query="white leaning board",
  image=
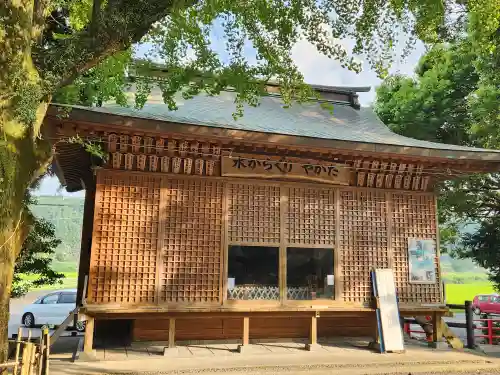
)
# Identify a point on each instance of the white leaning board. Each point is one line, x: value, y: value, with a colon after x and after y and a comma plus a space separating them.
x: 391, y: 334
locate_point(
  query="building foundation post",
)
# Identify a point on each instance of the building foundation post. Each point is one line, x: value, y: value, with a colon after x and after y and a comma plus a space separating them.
x: 245, y: 342
x: 88, y: 353
x: 171, y: 349
x: 313, y: 334
x: 437, y: 332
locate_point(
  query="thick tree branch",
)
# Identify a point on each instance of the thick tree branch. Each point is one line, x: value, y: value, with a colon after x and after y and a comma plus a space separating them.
x: 121, y: 23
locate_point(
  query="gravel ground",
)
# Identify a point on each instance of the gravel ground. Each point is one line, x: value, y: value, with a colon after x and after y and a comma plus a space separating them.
x: 484, y: 371
x: 487, y: 371
x: 361, y: 369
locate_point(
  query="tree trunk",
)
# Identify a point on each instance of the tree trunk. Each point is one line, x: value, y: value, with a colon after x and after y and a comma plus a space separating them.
x: 10, y: 242
x: 23, y: 158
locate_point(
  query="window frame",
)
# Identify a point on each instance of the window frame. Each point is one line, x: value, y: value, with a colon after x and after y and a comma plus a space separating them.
x: 58, y: 294
x: 226, y: 300
x: 66, y: 293
x: 282, y: 276
x: 285, y: 276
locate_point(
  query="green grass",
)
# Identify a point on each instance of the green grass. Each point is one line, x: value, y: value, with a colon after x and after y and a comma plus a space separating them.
x: 459, y: 293
x: 69, y: 281
x: 64, y: 267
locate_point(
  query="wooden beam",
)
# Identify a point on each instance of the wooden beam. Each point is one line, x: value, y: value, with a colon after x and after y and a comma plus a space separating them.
x: 438, y: 251
x: 388, y: 218
x: 88, y: 340
x: 246, y: 330
x: 171, y: 333
x: 451, y: 338
x: 162, y: 219
x: 26, y: 358
x: 337, y: 258
x: 313, y: 331
x: 282, y: 249
x: 224, y: 244
x: 60, y: 329
x: 437, y: 322
x: 84, y: 264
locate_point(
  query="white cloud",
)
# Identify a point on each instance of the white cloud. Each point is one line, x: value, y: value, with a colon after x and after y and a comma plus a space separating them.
x: 319, y: 69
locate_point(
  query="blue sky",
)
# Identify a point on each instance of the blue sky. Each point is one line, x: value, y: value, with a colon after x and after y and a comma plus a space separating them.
x: 316, y: 68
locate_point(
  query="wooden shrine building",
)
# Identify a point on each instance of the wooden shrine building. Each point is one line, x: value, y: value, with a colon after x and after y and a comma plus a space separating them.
x: 201, y: 227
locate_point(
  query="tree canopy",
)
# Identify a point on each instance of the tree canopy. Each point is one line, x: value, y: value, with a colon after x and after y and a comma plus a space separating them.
x: 454, y: 97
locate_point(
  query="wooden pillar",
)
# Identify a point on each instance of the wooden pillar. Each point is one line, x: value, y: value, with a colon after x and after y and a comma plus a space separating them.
x: 246, y: 330
x: 245, y: 340
x: 88, y: 340
x: 86, y: 243
x: 313, y: 333
x: 171, y: 333
x: 437, y: 331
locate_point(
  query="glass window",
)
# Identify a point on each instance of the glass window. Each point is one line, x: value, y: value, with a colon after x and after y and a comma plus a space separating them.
x: 483, y: 298
x: 309, y: 274
x: 253, y: 273
x: 50, y: 299
x: 67, y: 298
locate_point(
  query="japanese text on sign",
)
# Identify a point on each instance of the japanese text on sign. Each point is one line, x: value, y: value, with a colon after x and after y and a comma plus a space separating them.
x: 240, y: 166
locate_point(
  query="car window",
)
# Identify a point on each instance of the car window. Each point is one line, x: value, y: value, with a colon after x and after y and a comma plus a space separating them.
x: 483, y: 298
x: 67, y: 298
x: 50, y: 299
x: 495, y: 299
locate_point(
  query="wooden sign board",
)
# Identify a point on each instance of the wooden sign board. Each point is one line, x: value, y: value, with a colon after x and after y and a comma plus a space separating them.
x: 384, y: 289
x: 246, y: 166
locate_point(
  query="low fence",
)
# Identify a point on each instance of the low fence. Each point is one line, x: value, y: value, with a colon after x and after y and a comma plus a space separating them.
x: 489, y: 328
x: 407, y: 328
x: 28, y: 356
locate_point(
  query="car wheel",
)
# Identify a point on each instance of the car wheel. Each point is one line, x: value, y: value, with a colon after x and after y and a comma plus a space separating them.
x: 28, y: 320
x: 80, y: 326
x: 477, y: 311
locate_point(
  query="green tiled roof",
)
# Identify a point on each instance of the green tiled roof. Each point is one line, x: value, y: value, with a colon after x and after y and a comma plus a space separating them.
x: 345, y: 123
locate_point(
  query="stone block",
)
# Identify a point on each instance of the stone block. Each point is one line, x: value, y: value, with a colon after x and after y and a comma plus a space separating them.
x: 313, y: 347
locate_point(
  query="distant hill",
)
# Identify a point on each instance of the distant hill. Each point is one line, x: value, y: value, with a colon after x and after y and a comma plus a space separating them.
x: 449, y: 264
x: 66, y: 213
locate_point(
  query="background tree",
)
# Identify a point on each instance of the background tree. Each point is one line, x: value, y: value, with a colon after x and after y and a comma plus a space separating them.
x: 78, y: 49
x: 37, y: 250
x: 454, y: 97
x: 35, y: 259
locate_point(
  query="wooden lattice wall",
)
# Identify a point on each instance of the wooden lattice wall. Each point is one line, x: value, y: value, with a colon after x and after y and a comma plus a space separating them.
x: 124, y: 243
x: 310, y: 216
x: 253, y: 213
x: 163, y: 239
x: 363, y: 241
x: 412, y: 216
x: 191, y: 240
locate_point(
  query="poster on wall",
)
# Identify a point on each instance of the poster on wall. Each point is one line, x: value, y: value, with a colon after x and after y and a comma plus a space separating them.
x: 421, y: 260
